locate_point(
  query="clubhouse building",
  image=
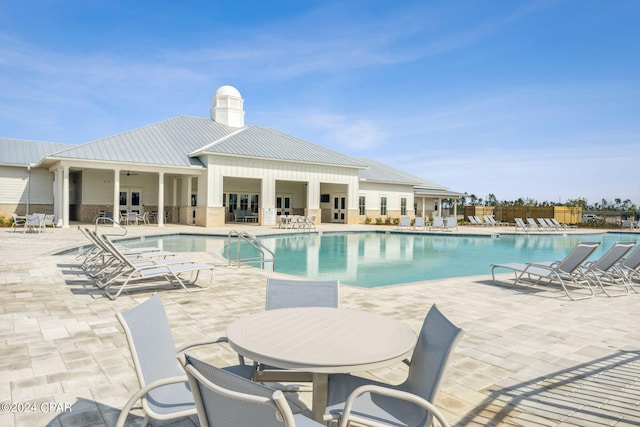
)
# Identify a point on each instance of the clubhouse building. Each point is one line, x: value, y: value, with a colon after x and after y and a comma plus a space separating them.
x: 201, y: 171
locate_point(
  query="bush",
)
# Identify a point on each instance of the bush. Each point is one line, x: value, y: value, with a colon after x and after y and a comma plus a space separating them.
x: 379, y: 221
x: 396, y: 221
x: 387, y: 221
x: 367, y: 220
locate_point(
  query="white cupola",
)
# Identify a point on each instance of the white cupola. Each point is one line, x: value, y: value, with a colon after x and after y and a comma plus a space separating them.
x: 227, y: 107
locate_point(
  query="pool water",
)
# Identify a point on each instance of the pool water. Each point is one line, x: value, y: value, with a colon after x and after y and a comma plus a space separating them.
x: 370, y: 259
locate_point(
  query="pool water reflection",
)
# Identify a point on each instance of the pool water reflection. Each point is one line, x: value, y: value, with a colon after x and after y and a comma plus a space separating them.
x: 370, y: 259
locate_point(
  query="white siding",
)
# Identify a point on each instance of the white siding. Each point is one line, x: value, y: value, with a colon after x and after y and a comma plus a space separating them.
x: 393, y: 193
x: 14, y: 185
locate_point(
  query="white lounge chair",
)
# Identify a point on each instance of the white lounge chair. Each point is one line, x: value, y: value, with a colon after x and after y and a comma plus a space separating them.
x: 418, y: 223
x: 532, y: 224
x: 228, y: 400
x: 405, y: 222
x: 562, y: 226
x: 168, y: 270
x: 629, y: 269
x: 365, y: 401
x: 452, y: 223
x: 164, y: 389
x: 544, y: 226
x: 520, y: 225
x: 437, y: 224
x: 566, y: 272
x: 491, y: 219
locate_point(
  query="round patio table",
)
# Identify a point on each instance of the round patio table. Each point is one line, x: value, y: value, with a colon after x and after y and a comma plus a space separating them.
x: 321, y: 341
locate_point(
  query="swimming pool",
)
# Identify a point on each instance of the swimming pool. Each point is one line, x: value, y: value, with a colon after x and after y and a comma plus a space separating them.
x: 371, y: 259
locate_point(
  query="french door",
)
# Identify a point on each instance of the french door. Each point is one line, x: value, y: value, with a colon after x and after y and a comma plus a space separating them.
x: 283, y: 204
x: 338, y: 208
x: 131, y: 200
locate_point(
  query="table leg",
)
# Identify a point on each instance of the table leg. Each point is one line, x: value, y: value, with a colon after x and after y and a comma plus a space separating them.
x: 320, y: 389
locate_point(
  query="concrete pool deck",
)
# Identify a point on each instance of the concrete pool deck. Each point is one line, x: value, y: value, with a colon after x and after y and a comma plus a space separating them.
x: 529, y: 356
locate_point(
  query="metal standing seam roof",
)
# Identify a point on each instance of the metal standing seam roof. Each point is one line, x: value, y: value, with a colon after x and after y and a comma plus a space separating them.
x: 180, y: 140
x: 20, y: 152
x: 262, y: 142
x: 379, y: 172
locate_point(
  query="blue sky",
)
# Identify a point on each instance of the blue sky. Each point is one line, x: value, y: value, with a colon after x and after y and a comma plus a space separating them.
x: 537, y: 99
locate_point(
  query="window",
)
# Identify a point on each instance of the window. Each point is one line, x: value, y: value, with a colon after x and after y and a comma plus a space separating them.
x: 244, y: 202
x: 361, y: 205
x: 383, y: 205
x: 403, y: 206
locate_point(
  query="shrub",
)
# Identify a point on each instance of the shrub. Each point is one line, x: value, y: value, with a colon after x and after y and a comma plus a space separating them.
x: 396, y: 221
x: 367, y: 220
x: 379, y: 221
x: 387, y: 221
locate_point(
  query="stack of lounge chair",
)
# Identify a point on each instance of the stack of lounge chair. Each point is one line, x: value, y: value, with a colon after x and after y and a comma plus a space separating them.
x: 615, y: 273
x: 114, y: 268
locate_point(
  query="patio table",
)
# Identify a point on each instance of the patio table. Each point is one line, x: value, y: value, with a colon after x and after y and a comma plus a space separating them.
x: 321, y: 341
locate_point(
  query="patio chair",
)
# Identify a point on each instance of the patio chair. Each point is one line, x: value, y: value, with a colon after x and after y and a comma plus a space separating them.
x: 452, y: 222
x: 602, y: 272
x: 629, y: 269
x: 482, y: 222
x: 169, y: 270
x: 18, y: 222
x: 34, y: 223
x: 405, y: 222
x: 49, y: 220
x: 532, y: 224
x: 520, y: 225
x: 409, y: 403
x: 224, y: 399
x: 437, y: 224
x: 562, y: 226
x: 544, y: 226
x: 565, y: 272
x: 492, y: 220
x: 472, y: 220
x: 418, y: 223
x: 284, y: 293
x: 164, y: 388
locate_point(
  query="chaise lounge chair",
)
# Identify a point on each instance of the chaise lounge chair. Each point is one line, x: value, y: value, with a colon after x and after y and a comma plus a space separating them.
x: 405, y: 222
x: 603, y: 271
x: 418, y: 223
x: 566, y: 272
x: 170, y: 270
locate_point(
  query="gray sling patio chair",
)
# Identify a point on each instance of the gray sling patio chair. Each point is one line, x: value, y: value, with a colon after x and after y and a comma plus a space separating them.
x: 566, y: 272
x: 629, y: 269
x: 409, y: 403
x: 418, y: 223
x: 285, y: 293
x: 224, y: 399
x: 164, y: 388
x: 405, y: 222
x: 437, y: 224
x: 603, y: 272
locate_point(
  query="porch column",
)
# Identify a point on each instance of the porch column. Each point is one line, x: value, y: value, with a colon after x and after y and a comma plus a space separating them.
x: 116, y: 197
x: 455, y: 207
x: 161, y: 199
x: 439, y: 207
x: 65, y: 196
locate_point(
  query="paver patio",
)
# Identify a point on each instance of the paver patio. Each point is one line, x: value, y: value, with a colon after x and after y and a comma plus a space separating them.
x: 528, y: 357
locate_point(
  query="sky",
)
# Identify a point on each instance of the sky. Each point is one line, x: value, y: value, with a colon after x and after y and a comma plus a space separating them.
x: 534, y: 99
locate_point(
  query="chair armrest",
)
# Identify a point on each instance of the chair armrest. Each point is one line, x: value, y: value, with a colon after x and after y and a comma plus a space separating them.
x: 219, y: 340
x: 144, y: 390
x: 393, y: 393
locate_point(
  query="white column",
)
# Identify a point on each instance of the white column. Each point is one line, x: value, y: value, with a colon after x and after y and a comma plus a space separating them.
x: 455, y: 207
x: 439, y: 207
x: 65, y: 196
x: 161, y: 199
x: 116, y: 196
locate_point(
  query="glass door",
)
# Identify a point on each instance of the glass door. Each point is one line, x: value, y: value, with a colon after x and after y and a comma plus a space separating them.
x: 339, y: 207
x: 131, y: 200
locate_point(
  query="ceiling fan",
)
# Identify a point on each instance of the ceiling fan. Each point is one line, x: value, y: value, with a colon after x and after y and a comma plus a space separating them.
x: 131, y: 174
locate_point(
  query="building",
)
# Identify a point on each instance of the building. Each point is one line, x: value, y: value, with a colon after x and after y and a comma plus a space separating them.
x: 202, y: 170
